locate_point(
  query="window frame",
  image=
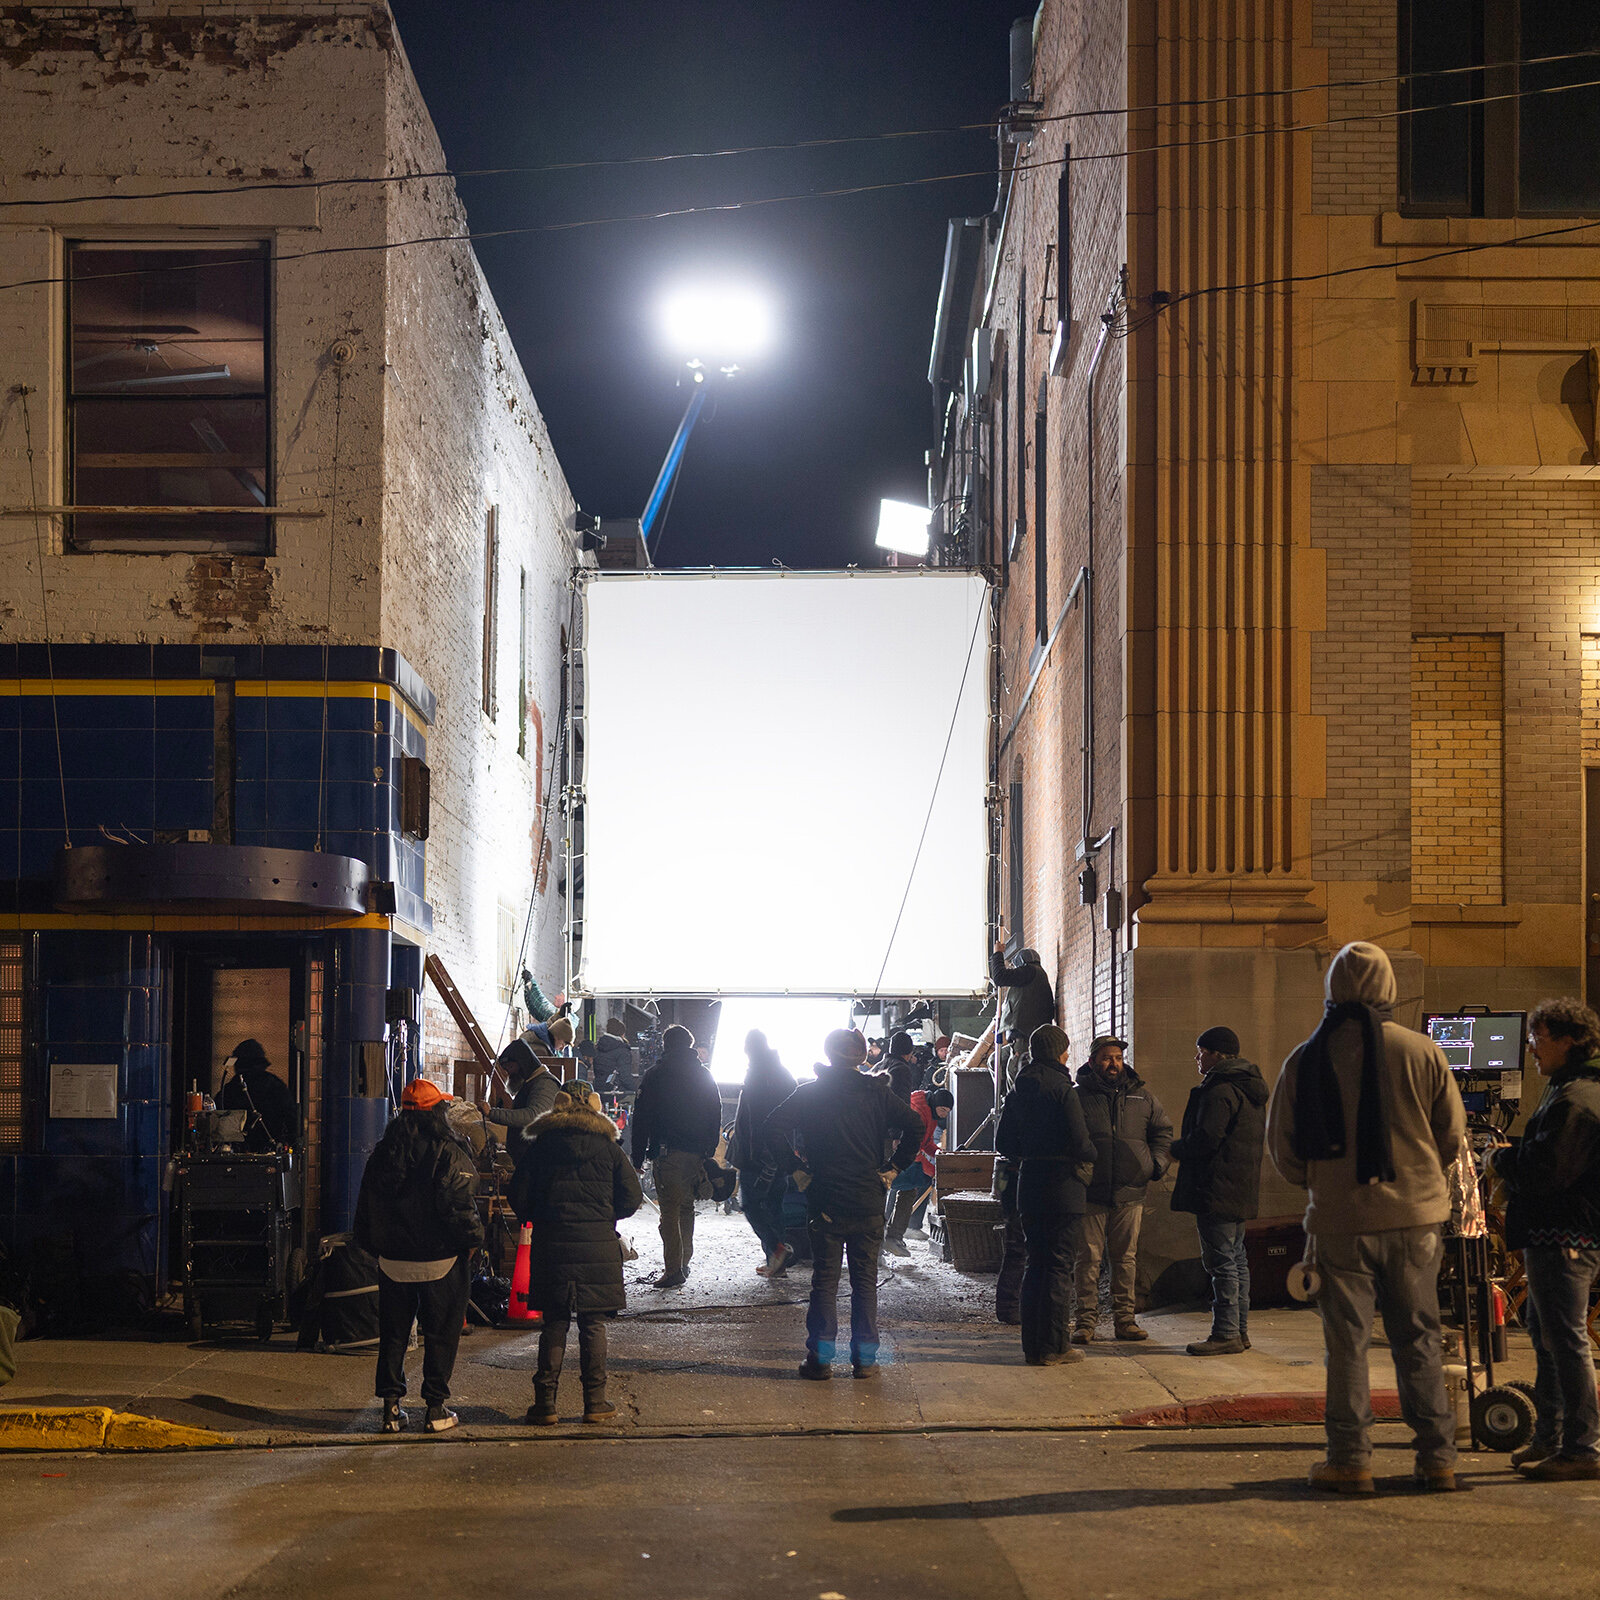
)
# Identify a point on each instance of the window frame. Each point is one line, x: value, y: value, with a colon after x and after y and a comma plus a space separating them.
x: 175, y: 543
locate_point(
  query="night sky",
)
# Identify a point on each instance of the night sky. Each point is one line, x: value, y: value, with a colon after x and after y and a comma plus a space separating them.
x: 798, y: 451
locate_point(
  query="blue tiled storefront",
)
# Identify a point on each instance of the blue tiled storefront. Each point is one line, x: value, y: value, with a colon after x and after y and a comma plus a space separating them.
x: 277, y: 749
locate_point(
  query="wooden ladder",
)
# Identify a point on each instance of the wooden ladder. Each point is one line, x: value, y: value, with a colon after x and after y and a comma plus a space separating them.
x: 461, y: 1011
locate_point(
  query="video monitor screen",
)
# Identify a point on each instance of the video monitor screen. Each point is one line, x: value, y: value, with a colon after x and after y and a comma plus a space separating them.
x: 1480, y: 1041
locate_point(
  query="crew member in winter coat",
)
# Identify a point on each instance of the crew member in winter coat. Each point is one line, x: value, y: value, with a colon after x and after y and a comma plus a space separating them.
x: 1042, y: 1130
x: 901, y: 1065
x: 677, y: 1123
x: 1552, y: 1174
x: 1365, y: 1116
x: 254, y: 1087
x: 573, y: 1183
x: 533, y: 1086
x: 1219, y: 1180
x: 908, y: 1194
x: 845, y: 1119
x: 767, y: 1084
x: 1026, y: 999
x: 418, y: 1214
x: 1133, y: 1145
x: 614, y: 1063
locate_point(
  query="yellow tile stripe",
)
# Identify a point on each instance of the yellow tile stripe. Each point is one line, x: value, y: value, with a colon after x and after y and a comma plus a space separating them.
x: 313, y: 690
x: 124, y: 686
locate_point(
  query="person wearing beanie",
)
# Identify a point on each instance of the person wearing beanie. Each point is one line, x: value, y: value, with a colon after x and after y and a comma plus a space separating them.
x: 676, y: 1125
x: 909, y: 1193
x: 533, y: 1087
x: 1133, y: 1137
x: 901, y: 1064
x: 1043, y: 1133
x: 1366, y: 1118
x: 417, y: 1212
x: 845, y: 1118
x: 1026, y: 1000
x: 1219, y: 1180
x: 574, y: 1184
x: 253, y: 1087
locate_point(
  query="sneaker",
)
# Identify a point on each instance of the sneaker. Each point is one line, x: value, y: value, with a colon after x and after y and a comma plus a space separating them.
x: 599, y: 1411
x: 394, y: 1419
x: 1083, y: 1335
x: 1564, y: 1469
x: 541, y: 1414
x: 440, y: 1419
x: 817, y: 1371
x: 670, y: 1280
x: 1341, y: 1480
x: 1213, y: 1346
x: 895, y: 1247
x: 1530, y: 1455
x: 1130, y: 1332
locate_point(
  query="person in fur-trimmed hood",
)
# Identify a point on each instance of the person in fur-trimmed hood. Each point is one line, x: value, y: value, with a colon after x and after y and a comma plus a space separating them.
x: 574, y: 1183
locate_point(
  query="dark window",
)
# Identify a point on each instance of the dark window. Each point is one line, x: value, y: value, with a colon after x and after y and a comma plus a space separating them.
x: 1526, y: 148
x: 1041, y: 552
x: 491, y: 607
x: 167, y: 396
x: 1003, y: 515
x: 1019, y: 527
x: 416, y: 792
x: 1064, y: 244
x: 1014, y: 863
x: 11, y: 1043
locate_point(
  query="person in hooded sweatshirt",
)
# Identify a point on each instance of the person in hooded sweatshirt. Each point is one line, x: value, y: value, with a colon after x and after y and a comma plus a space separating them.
x: 1133, y: 1139
x: 1365, y: 1116
x: 767, y: 1084
x: 1219, y: 1179
x: 677, y: 1123
x: 1043, y: 1132
x: 418, y: 1214
x: 573, y: 1183
x: 844, y: 1117
x: 533, y: 1086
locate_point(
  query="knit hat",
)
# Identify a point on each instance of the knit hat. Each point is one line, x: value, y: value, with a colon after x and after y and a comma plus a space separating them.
x: 1047, y: 1042
x: 249, y: 1053
x: 901, y: 1043
x: 1028, y: 957
x: 560, y: 1031
x: 1224, y: 1041
x: 421, y: 1095
x: 677, y: 1037
x: 845, y: 1047
x: 938, y: 1098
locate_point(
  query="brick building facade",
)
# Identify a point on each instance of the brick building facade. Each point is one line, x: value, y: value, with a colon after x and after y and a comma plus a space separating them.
x: 1288, y: 484
x: 293, y: 750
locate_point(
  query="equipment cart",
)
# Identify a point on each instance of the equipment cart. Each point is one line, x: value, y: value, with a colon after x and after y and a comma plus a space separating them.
x: 237, y: 1218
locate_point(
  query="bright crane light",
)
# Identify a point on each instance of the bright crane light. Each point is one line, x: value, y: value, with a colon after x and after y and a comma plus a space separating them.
x: 903, y: 527
x: 717, y: 323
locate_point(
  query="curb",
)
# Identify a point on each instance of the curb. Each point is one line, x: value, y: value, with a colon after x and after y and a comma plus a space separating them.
x: 97, y: 1428
x: 1249, y: 1409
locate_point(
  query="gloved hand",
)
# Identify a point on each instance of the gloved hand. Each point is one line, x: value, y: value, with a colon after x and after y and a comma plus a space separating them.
x: 887, y: 1175
x: 802, y: 1179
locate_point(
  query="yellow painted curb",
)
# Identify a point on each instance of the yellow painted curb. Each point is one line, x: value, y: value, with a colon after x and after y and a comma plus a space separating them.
x: 128, y: 1431
x: 97, y: 1428
x: 54, y: 1427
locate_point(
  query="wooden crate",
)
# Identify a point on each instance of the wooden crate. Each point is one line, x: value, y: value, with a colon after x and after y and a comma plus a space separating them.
x: 962, y: 1169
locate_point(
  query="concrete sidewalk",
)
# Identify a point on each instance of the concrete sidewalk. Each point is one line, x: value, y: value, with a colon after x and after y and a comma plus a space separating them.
x: 717, y: 1357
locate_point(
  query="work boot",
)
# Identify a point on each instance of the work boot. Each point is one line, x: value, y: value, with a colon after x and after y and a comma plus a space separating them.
x: 1061, y: 1358
x: 1084, y: 1333
x: 598, y: 1409
x: 1530, y: 1455
x: 440, y: 1418
x: 1564, y: 1469
x: 1435, y: 1480
x: 863, y: 1369
x: 670, y: 1280
x: 542, y: 1413
x: 817, y: 1371
x: 394, y: 1419
x: 1340, y: 1479
x: 1130, y: 1331
x: 1009, y: 1315
x: 1213, y: 1346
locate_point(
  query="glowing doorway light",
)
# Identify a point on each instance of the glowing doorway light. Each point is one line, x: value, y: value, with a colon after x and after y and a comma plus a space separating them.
x: 903, y: 527
x: 716, y: 323
x: 794, y: 1028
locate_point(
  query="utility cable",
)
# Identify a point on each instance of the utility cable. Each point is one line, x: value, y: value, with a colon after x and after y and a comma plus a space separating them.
x: 44, y: 610
x: 933, y: 799
x: 826, y: 142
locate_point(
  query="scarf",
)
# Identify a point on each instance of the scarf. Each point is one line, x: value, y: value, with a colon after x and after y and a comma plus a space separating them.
x: 1319, y: 1130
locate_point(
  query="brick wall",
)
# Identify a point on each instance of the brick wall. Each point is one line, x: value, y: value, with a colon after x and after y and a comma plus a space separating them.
x: 1457, y: 767
x: 1360, y: 672
x: 1353, y: 169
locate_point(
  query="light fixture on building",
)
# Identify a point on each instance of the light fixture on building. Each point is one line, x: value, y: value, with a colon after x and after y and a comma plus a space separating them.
x: 903, y: 527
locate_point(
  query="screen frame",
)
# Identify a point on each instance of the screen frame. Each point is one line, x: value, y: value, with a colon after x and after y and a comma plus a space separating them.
x: 1477, y: 1016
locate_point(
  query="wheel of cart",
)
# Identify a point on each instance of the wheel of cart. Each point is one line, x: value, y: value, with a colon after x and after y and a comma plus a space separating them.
x: 1502, y: 1418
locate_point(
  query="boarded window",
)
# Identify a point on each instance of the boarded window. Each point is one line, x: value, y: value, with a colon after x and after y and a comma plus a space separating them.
x: 167, y: 396
x: 1457, y: 769
x: 10, y: 1045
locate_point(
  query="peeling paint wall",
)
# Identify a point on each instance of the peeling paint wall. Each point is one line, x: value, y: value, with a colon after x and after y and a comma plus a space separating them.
x: 400, y: 411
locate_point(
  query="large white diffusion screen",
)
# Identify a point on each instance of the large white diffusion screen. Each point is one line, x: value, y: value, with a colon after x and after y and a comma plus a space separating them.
x: 761, y: 755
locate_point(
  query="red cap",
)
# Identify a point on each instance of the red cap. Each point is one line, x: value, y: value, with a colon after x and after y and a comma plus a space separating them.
x: 421, y: 1095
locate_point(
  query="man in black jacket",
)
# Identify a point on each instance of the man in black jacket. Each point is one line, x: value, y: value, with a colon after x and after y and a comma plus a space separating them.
x: 418, y: 1214
x: 1042, y: 1131
x: 1219, y: 1180
x: 1026, y: 1000
x: 1553, y: 1176
x: 254, y: 1087
x: 614, y: 1062
x: 1133, y: 1141
x: 677, y: 1123
x: 844, y: 1118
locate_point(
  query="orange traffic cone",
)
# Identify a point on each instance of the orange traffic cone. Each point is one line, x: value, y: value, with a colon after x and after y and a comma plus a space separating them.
x: 517, y: 1306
